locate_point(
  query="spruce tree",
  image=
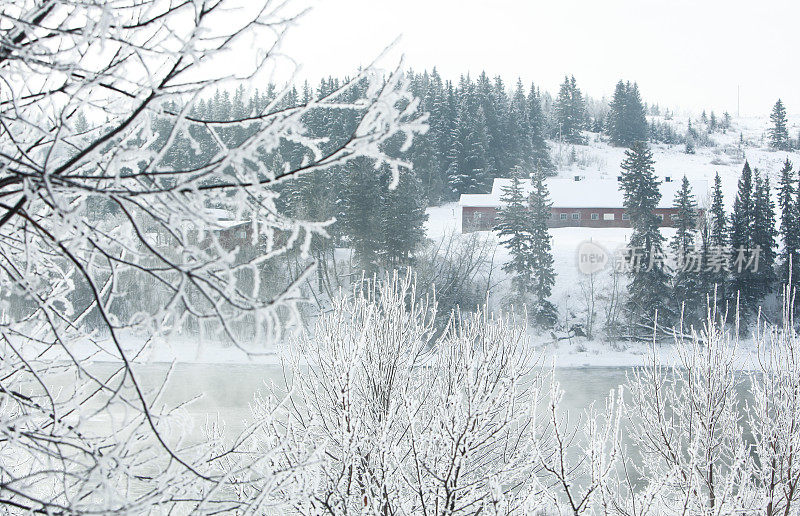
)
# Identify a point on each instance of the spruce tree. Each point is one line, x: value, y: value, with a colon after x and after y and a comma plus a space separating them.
x: 495, y: 131
x: 425, y: 154
x: 540, y: 157
x: 764, y: 235
x: 691, y: 137
x: 615, y: 124
x: 649, y: 280
x: 690, y: 146
x: 570, y: 112
x: 440, y: 134
x: 742, y: 278
x: 634, y: 118
x: 518, y: 130
x: 402, y: 219
x: 687, y: 292
x: 779, y: 132
x: 627, y: 122
x: 502, y: 143
x: 541, y: 259
x: 361, y: 207
x: 789, y: 225
x: 449, y: 127
x: 469, y: 170
x: 515, y: 230
x: 717, y: 262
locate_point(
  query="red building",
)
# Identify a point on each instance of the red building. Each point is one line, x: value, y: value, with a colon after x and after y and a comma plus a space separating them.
x: 591, y: 203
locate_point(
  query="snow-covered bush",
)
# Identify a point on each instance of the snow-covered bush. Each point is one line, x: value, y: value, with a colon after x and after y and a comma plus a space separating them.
x: 774, y: 416
x: 408, y: 423
x: 686, y: 426
x: 393, y: 418
x: 710, y: 438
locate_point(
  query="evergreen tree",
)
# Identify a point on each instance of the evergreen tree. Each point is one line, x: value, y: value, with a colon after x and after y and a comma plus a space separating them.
x: 449, y: 125
x: 440, y: 133
x: 516, y: 233
x: 425, y: 152
x: 469, y: 164
x: 402, y: 219
x: 648, y: 287
x: 615, y: 124
x: 635, y: 119
x: 705, y: 279
x: 627, y: 122
x: 522, y: 226
x: 789, y: 225
x: 764, y: 235
x: 719, y: 252
x: 688, y: 294
x: 502, y: 143
x: 518, y: 131
x: 691, y: 137
x: 383, y: 226
x: 495, y: 131
x: 690, y: 146
x: 540, y: 157
x: 718, y: 219
x: 570, y: 112
x: 796, y: 233
x: 742, y: 278
x: 360, y: 213
x: 541, y: 259
x: 779, y: 132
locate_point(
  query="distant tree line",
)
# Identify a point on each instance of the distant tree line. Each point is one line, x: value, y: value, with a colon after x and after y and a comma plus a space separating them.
x: 479, y: 130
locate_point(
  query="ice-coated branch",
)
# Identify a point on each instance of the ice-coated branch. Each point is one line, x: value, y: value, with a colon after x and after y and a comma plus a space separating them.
x: 122, y: 207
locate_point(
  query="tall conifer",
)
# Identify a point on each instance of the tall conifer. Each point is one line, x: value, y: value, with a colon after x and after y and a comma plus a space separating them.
x: 649, y: 280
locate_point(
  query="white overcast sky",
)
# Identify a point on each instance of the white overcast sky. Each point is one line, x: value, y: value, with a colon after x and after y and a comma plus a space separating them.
x: 687, y: 54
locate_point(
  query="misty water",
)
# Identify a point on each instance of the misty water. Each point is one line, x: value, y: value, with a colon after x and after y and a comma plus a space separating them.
x: 226, y: 390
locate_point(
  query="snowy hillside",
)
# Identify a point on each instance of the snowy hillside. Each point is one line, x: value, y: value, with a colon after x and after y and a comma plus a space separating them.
x: 726, y: 156
x: 598, y: 160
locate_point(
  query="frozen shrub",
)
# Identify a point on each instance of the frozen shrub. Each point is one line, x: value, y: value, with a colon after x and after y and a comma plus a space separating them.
x: 410, y: 423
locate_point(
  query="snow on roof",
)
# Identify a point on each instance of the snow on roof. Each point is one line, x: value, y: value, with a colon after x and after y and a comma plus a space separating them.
x: 586, y: 193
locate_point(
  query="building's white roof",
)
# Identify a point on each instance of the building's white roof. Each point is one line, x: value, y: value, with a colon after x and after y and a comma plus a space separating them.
x: 586, y: 193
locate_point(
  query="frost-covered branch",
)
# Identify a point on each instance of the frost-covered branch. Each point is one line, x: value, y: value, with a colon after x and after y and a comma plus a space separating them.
x: 118, y: 199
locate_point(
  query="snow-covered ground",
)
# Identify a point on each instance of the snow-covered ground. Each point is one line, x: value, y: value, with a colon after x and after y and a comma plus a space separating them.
x: 599, y: 160
x: 568, y: 295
